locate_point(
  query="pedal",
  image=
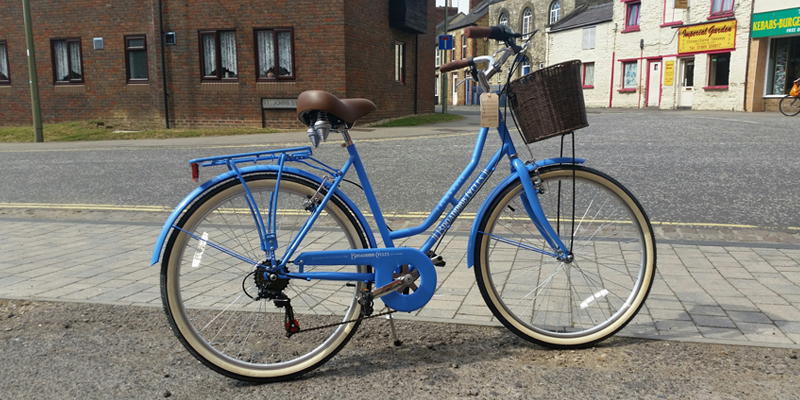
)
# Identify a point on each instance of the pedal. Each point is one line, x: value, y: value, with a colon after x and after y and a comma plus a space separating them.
x: 438, y: 261
x: 366, y: 300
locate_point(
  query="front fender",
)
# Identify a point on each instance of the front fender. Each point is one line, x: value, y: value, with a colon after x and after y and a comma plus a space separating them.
x: 496, y: 192
x: 247, y: 170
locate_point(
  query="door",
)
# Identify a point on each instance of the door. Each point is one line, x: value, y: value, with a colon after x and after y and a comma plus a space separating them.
x: 455, y: 88
x: 686, y: 85
x: 654, y: 84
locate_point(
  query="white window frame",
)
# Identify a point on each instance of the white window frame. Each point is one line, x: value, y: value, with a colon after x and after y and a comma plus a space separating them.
x: 555, y: 12
x: 589, y: 37
x: 399, y: 62
x: 527, y: 16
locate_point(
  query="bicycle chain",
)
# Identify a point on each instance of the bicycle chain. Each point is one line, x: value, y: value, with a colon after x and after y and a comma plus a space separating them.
x: 360, y: 318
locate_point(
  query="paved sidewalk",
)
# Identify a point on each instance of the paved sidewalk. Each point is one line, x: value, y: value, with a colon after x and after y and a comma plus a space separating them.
x: 720, y: 286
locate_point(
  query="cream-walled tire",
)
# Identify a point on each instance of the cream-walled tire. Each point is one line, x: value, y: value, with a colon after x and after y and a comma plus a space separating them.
x: 574, y: 303
x: 207, y: 293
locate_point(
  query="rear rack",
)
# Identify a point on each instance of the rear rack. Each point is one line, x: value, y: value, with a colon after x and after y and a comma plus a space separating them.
x: 290, y: 154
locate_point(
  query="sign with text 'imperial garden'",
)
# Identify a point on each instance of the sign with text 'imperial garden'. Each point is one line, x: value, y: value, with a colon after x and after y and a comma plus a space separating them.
x: 707, y: 37
x: 783, y: 22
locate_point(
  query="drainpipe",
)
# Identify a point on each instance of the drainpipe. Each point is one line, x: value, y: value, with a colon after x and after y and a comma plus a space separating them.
x: 163, y: 64
x: 416, y: 72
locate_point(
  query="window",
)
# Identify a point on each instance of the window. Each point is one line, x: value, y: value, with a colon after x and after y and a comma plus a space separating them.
x: 782, y: 67
x: 438, y: 63
x: 672, y: 15
x: 720, y: 8
x: 5, y: 78
x: 503, y: 20
x: 436, y: 87
x: 527, y: 15
x: 718, y: 69
x: 67, y: 64
x: 218, y: 55
x: 632, y: 16
x: 136, y: 58
x: 589, y: 35
x: 629, y: 75
x: 463, y: 47
x: 268, y: 55
x: 526, y: 65
x: 588, y: 75
x: 555, y: 12
x: 399, y: 62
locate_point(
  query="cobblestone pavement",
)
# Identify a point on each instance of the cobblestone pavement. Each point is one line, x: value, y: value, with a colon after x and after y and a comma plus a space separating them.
x: 718, y: 285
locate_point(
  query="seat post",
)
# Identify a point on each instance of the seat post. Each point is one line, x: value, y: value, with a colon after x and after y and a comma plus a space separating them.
x: 348, y: 141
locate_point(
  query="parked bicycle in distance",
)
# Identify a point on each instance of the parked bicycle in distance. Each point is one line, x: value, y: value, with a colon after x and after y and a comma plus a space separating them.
x: 269, y: 268
x: 790, y: 104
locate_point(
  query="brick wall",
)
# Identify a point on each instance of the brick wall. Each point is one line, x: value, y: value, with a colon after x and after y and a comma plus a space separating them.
x: 104, y: 93
x: 342, y: 46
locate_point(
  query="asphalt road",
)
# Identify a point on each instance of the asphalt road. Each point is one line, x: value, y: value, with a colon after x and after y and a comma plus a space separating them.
x: 685, y: 167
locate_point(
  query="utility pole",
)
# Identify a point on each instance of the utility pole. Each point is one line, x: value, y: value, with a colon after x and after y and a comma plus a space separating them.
x: 443, y: 76
x: 34, y: 81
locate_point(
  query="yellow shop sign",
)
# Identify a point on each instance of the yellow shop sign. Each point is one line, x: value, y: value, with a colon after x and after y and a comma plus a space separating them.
x: 707, y: 37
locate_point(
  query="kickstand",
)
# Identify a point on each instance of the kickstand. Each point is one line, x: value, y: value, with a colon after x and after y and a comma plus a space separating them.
x: 397, y: 342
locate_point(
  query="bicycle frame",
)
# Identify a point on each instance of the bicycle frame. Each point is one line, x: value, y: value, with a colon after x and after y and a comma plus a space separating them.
x: 266, y: 230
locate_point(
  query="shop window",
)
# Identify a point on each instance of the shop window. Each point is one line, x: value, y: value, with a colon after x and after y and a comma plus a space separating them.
x: 555, y: 12
x: 588, y: 75
x: 783, y: 66
x: 719, y: 70
x: 67, y: 63
x: 275, y: 54
x: 632, y: 11
x: 218, y: 55
x: 589, y: 35
x: 721, y: 8
x: 5, y: 77
x: 629, y: 82
x: 136, y: 58
x: 399, y: 62
x: 527, y: 16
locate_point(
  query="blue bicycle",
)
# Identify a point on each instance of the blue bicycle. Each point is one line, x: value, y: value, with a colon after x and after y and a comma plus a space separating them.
x: 268, y: 269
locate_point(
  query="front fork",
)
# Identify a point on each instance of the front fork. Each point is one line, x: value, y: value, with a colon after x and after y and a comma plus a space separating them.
x: 533, y: 207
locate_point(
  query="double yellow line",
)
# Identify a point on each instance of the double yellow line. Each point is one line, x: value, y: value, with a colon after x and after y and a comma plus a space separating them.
x: 411, y: 214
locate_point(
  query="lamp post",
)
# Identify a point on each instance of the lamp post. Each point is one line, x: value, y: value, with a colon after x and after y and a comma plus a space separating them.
x: 34, y: 79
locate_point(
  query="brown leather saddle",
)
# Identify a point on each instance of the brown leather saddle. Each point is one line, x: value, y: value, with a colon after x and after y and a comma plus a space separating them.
x: 339, y: 111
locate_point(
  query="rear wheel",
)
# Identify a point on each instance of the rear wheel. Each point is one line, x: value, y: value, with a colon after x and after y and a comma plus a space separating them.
x: 209, y: 295
x: 789, y: 105
x: 574, y: 302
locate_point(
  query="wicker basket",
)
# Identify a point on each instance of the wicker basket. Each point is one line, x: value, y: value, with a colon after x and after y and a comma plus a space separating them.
x: 549, y: 102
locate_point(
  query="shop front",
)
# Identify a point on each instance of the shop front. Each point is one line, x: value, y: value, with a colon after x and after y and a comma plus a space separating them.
x: 774, y: 57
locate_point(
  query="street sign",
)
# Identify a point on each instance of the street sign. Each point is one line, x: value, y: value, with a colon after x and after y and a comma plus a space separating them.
x: 445, y: 42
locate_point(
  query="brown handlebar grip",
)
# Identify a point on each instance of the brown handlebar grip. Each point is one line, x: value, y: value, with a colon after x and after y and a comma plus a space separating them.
x: 452, y: 65
x: 476, y: 32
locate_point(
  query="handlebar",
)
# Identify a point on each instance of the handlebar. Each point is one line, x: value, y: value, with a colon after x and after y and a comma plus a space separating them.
x: 457, y: 64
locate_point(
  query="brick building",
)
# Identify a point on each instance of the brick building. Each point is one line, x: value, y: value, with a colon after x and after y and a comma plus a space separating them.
x: 231, y: 62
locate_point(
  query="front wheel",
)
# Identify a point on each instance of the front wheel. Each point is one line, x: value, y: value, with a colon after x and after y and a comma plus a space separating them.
x: 789, y: 105
x: 569, y: 303
x: 212, y: 299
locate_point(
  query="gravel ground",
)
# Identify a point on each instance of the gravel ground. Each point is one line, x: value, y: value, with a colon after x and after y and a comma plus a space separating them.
x: 90, y: 351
